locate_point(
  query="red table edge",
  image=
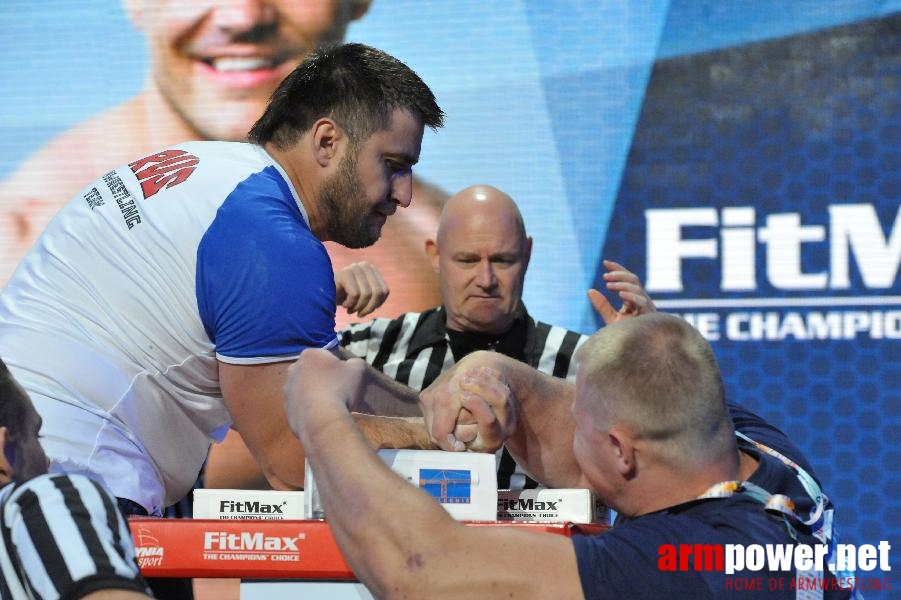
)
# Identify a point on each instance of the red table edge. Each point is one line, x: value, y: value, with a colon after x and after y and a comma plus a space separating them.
x: 264, y: 549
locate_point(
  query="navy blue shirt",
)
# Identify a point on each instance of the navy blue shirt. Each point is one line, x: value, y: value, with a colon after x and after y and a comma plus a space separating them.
x: 623, y: 562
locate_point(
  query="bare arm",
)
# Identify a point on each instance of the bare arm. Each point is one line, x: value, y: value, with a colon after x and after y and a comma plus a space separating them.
x: 542, y: 438
x: 360, y: 289
x: 254, y: 396
x: 383, y: 395
x: 409, y: 547
x: 231, y: 465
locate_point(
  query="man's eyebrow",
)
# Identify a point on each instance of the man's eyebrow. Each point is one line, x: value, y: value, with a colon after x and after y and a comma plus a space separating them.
x: 407, y: 159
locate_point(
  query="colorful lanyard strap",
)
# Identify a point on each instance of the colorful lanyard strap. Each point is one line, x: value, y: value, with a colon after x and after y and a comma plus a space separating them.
x: 817, y: 520
x: 774, y: 503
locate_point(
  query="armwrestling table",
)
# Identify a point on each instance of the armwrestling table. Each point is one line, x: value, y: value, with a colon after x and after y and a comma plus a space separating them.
x: 274, y: 559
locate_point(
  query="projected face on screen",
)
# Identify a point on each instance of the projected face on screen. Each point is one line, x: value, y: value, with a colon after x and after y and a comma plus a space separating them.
x: 216, y: 62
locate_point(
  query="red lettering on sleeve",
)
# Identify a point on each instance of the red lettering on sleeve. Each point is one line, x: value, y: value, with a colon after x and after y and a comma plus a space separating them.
x: 155, y: 158
x: 163, y: 170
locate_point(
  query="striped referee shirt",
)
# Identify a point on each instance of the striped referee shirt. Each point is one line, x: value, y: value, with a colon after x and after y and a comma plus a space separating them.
x: 415, y: 348
x: 63, y: 537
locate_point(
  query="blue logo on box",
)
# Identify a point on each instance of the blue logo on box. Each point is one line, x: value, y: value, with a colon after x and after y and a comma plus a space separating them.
x: 448, y: 486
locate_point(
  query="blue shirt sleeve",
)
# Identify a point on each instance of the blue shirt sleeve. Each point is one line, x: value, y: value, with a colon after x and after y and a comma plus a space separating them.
x: 265, y: 285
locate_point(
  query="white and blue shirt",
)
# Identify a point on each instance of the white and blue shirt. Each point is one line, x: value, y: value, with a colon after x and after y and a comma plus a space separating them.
x: 115, y: 319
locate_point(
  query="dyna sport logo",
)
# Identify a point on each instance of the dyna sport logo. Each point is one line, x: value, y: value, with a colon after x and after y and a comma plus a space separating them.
x: 775, y: 276
x: 148, y: 549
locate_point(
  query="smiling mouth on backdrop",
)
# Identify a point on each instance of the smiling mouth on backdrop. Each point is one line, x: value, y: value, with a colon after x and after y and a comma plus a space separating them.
x: 242, y: 71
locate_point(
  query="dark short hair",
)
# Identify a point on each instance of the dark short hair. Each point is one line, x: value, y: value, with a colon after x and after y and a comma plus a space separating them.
x: 356, y: 85
x: 12, y: 402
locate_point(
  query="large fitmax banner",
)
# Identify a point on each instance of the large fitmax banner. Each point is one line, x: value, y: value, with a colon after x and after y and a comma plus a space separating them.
x: 742, y: 157
x: 761, y: 200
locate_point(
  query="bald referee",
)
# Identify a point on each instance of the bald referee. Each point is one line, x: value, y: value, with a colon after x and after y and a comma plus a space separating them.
x: 62, y: 535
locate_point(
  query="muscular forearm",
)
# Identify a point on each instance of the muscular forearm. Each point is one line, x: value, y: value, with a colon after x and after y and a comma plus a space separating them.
x: 397, y: 539
x: 254, y: 395
x: 376, y: 536
x: 284, y: 468
x: 384, y: 396
x: 394, y: 432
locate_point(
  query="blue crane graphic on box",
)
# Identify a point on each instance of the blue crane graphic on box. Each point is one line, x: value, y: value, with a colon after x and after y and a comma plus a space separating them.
x: 449, y: 486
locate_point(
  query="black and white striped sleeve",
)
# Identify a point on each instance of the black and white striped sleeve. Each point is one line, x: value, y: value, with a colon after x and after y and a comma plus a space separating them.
x: 364, y: 339
x: 386, y: 345
x: 68, y: 538
x: 557, y: 347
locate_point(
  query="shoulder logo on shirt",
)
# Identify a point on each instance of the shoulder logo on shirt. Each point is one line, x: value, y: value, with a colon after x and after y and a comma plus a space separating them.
x: 123, y: 198
x: 164, y: 169
x: 93, y: 198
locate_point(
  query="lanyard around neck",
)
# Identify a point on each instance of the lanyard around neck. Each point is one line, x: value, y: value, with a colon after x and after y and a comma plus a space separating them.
x: 781, y: 504
x: 819, y: 520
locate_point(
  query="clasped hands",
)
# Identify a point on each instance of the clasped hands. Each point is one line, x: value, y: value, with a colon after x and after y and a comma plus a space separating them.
x: 470, y: 407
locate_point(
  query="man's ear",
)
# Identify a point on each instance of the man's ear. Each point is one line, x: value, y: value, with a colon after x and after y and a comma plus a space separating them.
x: 624, y: 452
x: 431, y: 248
x: 328, y: 141
x: 6, y: 469
x: 528, y: 251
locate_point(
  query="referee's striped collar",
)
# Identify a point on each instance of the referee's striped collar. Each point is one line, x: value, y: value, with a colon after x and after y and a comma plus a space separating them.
x: 431, y: 328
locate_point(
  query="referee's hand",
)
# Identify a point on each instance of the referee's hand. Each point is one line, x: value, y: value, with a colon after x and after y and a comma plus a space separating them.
x: 360, y: 288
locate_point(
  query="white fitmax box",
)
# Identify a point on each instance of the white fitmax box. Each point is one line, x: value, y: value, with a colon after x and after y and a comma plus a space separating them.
x: 248, y: 504
x: 550, y: 506
x: 464, y: 483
